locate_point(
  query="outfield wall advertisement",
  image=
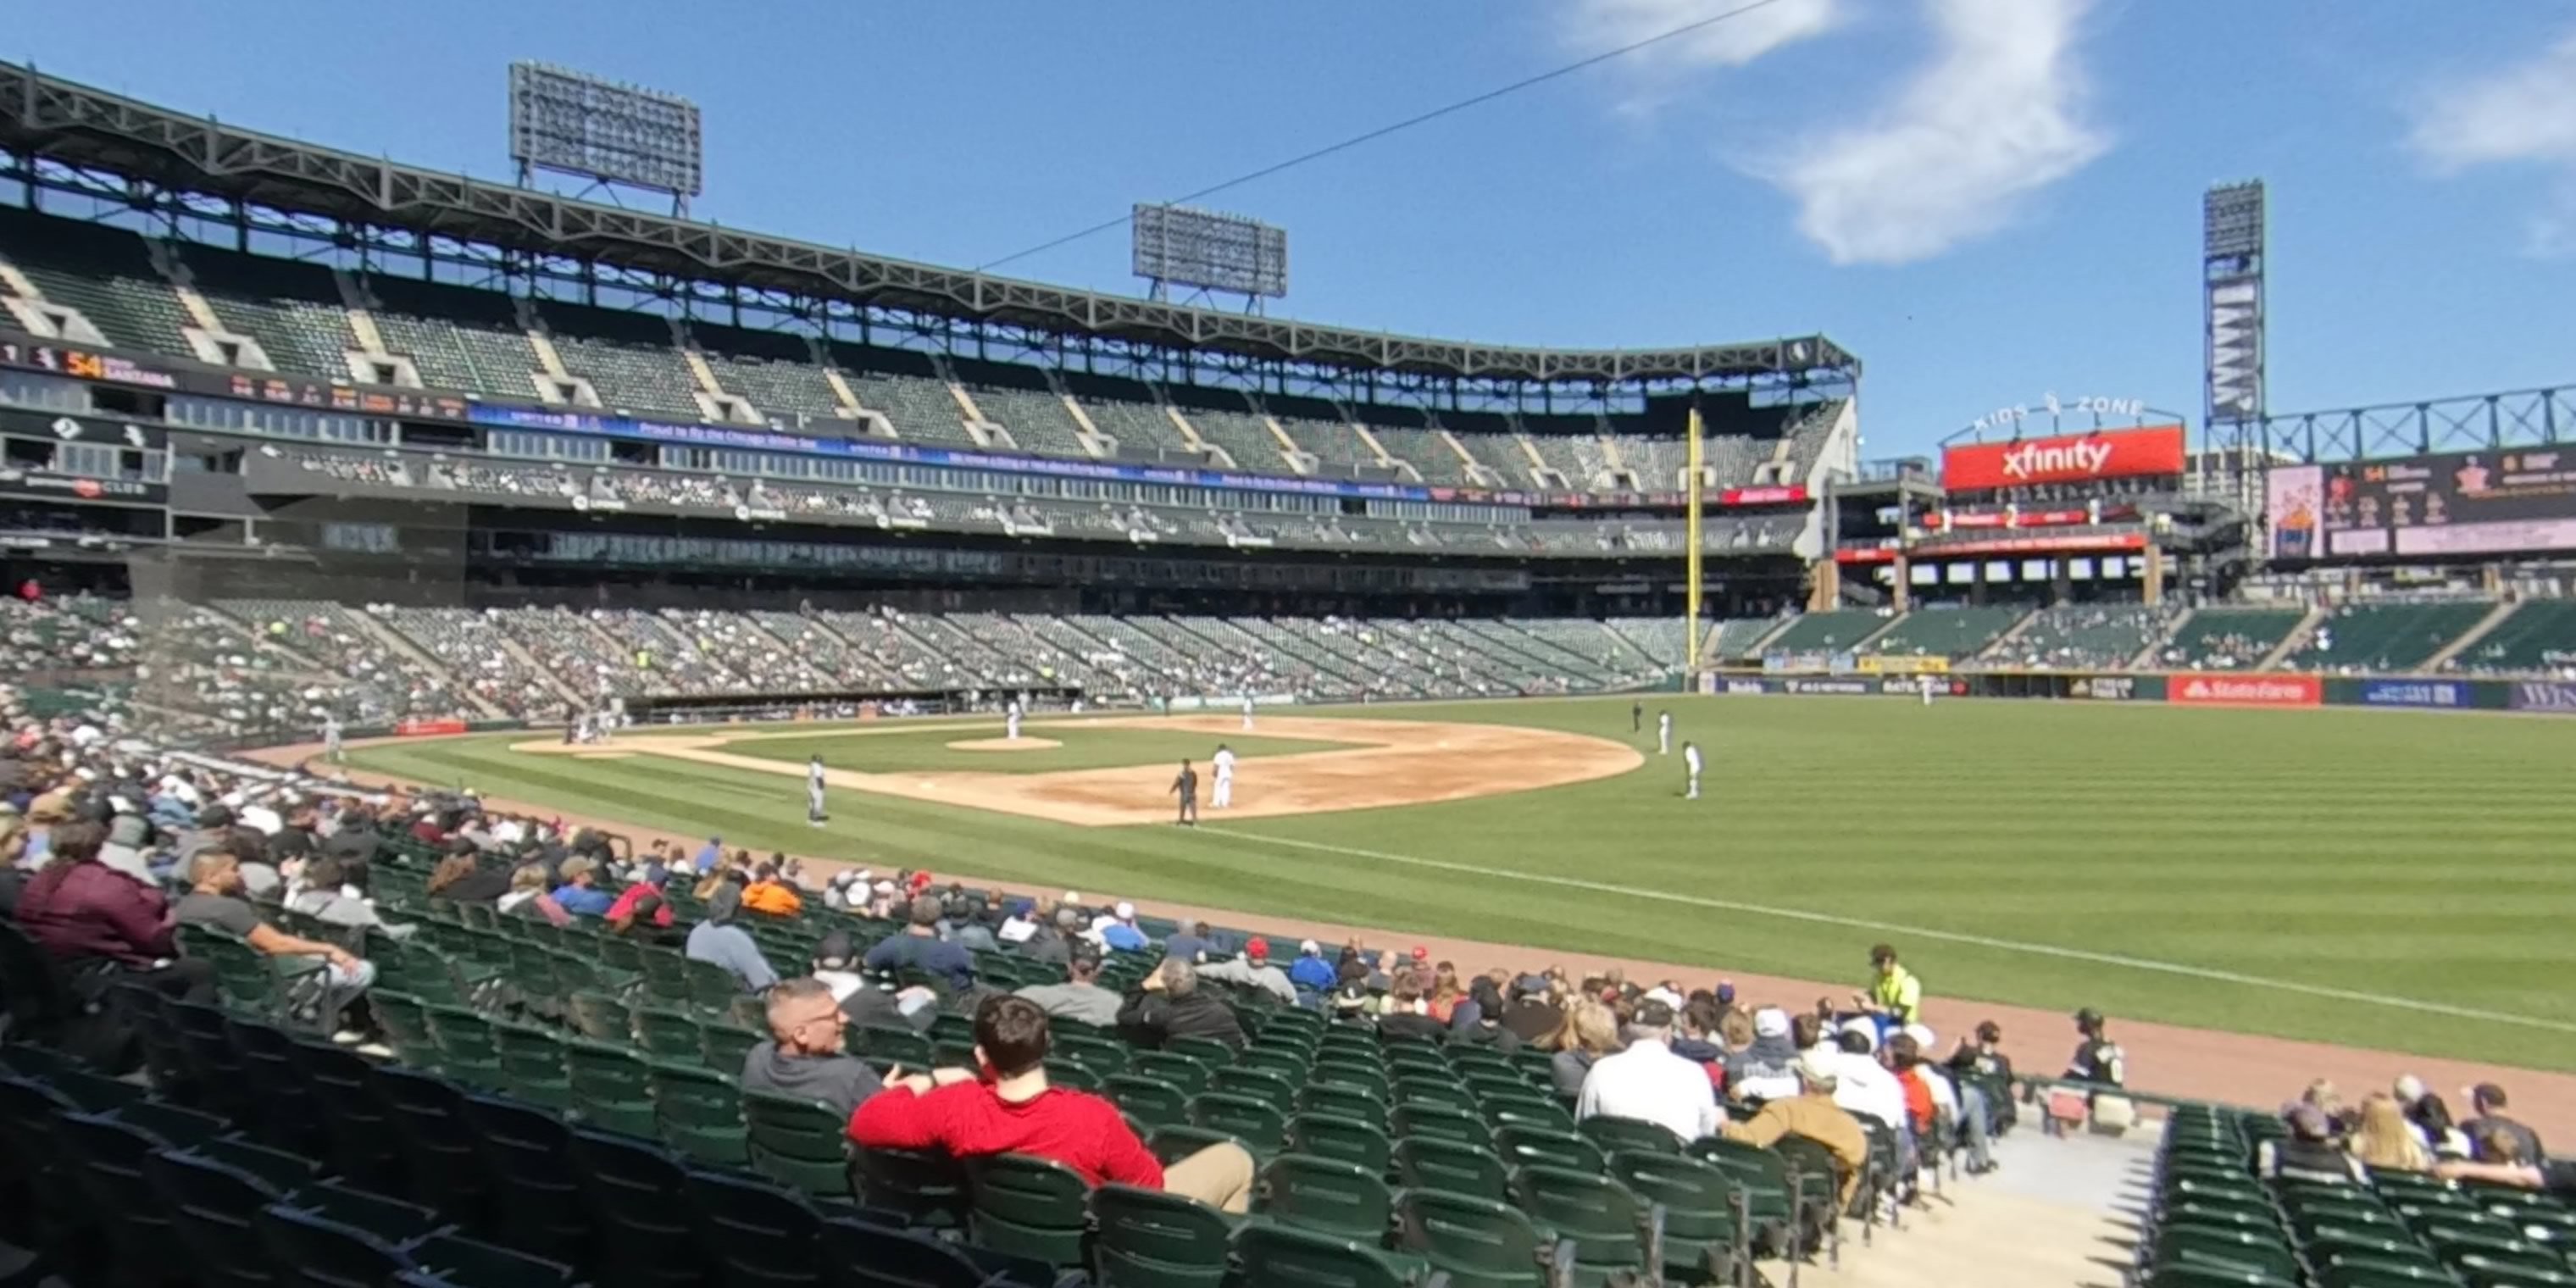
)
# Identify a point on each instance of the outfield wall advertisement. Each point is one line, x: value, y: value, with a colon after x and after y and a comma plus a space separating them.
x: 2245, y: 691
x: 2438, y: 694
x: 2550, y: 697
x: 2554, y: 696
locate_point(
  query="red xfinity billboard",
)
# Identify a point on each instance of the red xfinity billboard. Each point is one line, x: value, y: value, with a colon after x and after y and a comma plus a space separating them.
x: 2071, y: 458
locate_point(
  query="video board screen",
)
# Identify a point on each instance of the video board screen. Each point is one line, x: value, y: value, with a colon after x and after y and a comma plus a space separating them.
x: 2430, y: 507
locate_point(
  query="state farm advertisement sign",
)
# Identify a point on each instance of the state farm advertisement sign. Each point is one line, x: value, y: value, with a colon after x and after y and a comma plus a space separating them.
x: 2073, y: 458
x: 2244, y: 691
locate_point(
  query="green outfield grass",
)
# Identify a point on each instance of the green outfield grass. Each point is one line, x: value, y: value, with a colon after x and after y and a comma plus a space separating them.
x: 2212, y: 867
x: 876, y: 749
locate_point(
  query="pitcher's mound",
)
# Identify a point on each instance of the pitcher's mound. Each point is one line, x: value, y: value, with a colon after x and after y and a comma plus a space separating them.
x: 1004, y: 744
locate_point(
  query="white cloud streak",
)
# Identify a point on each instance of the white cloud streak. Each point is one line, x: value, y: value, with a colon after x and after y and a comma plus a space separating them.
x: 2521, y: 113
x: 1995, y: 116
x: 1731, y: 43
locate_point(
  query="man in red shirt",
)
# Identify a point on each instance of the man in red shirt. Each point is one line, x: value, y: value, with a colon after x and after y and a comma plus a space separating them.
x: 1010, y: 1109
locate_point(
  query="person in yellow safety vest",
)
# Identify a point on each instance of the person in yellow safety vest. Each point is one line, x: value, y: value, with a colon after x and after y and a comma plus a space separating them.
x: 1894, y: 992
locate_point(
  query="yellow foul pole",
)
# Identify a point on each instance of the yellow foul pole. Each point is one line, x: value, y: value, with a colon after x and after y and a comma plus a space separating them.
x: 1690, y: 538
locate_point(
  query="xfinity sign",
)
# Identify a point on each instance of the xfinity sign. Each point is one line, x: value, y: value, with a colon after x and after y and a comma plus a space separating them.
x: 2026, y: 462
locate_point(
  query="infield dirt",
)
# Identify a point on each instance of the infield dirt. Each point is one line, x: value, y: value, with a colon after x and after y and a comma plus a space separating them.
x: 1386, y: 762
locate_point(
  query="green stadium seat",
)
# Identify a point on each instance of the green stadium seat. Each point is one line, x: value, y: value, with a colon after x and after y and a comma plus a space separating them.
x: 699, y: 1112
x: 758, y: 1235
x: 1326, y: 1196
x: 638, y: 1192
x: 1278, y: 1256
x: 527, y: 1153
x: 1427, y: 1163
x: 1479, y: 1242
x: 1325, y: 1135
x: 1151, y: 1239
x: 1706, y: 1234
x: 1029, y: 1207
x: 1612, y: 1233
x: 798, y: 1143
x: 1258, y: 1124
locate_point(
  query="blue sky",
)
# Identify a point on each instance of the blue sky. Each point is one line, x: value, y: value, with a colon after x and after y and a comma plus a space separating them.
x: 1985, y: 199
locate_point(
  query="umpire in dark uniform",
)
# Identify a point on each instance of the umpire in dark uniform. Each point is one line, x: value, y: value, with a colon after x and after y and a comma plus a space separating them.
x: 1187, y: 787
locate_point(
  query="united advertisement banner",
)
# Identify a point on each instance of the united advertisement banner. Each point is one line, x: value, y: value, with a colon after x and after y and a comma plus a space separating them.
x: 2440, y: 694
x: 2071, y: 458
x: 2245, y: 691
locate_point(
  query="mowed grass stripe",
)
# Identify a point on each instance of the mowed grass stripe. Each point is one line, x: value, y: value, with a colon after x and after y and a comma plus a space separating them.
x: 2378, y: 854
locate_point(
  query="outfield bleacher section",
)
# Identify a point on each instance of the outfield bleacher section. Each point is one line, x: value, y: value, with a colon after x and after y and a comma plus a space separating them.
x: 2080, y: 637
x: 1839, y: 630
x: 2537, y: 638
x: 2380, y: 638
x: 1735, y: 638
x: 1946, y: 632
x: 2229, y: 639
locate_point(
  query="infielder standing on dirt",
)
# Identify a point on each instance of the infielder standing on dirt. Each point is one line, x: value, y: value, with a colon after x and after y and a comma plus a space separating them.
x: 1690, y: 761
x: 1011, y: 720
x: 814, y: 814
x: 1223, y: 762
x: 1247, y: 713
x: 1187, y: 788
x: 1663, y: 733
x: 331, y: 738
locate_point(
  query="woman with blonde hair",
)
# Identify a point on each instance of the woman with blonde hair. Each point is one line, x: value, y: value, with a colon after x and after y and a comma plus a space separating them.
x: 1589, y: 1033
x: 2384, y: 1141
x: 1446, y: 992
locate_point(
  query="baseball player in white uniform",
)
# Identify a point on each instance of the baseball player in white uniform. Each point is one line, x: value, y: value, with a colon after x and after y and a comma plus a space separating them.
x: 1011, y: 720
x: 1247, y: 713
x: 1223, y: 761
x: 1663, y: 733
x: 331, y: 738
x: 1925, y: 683
x: 1690, y: 761
x: 814, y: 813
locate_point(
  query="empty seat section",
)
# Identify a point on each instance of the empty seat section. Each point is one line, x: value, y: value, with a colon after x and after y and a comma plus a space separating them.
x: 105, y: 273
x: 774, y: 371
x: 1020, y: 400
x: 2386, y: 637
x: 630, y: 359
x: 2230, y: 639
x: 1128, y: 411
x: 2538, y: 636
x: 1834, y: 631
x: 1225, y: 417
x: 908, y: 388
x: 2083, y: 636
x: 457, y: 337
x: 1946, y: 632
x: 293, y: 309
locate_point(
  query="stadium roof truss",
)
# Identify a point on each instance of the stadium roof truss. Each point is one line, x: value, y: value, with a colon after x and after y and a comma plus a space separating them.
x: 156, y: 160
x: 2477, y: 422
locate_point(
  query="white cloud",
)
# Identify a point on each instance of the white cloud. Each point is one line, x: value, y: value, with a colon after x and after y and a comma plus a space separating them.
x: 1996, y: 115
x: 2521, y: 113
x: 1733, y: 42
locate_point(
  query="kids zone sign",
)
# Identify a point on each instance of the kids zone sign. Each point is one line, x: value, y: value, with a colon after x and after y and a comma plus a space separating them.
x: 2063, y: 458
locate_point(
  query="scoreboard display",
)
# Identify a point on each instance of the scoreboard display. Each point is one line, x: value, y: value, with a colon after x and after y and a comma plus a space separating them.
x: 2507, y: 501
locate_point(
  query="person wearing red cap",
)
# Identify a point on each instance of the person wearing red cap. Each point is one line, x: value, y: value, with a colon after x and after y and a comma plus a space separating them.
x: 1254, y: 970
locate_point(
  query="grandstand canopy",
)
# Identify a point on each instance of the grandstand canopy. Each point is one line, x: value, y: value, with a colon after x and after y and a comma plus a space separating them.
x: 75, y: 125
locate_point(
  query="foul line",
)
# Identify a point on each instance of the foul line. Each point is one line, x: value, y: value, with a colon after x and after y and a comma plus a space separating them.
x: 1917, y: 932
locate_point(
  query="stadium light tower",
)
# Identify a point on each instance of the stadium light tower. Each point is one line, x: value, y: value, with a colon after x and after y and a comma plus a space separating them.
x: 1177, y: 246
x: 2231, y: 271
x: 578, y: 124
